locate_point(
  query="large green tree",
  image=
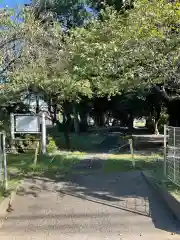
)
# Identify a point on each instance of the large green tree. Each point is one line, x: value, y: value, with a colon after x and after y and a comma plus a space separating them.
x: 35, y: 58
x: 123, y: 52
x: 73, y: 13
x: 116, y: 54
x: 70, y: 13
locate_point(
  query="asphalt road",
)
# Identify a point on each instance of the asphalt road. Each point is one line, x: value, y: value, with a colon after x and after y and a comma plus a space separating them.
x: 55, y: 211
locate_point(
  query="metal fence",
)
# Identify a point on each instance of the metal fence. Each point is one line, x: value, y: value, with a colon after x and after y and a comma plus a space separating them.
x: 3, y: 162
x: 172, y: 154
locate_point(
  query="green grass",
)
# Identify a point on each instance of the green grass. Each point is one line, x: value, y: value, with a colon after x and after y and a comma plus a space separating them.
x: 139, y: 123
x: 59, y: 166
x: 159, y: 178
x: 47, y: 166
x: 173, y: 189
x: 53, y: 167
x: 62, y: 162
x: 82, y: 142
x: 12, y: 184
x: 123, y: 162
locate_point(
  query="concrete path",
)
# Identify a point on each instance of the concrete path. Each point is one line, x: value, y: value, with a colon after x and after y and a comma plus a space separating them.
x: 54, y: 211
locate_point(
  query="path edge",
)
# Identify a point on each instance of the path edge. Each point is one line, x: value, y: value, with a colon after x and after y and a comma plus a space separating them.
x: 4, y: 205
x: 171, y: 203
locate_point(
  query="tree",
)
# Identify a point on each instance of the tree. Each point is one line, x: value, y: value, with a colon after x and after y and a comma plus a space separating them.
x: 120, y: 54
x: 118, y: 5
x: 70, y: 13
x: 35, y: 60
x: 123, y: 51
x: 73, y: 13
x: 42, y: 62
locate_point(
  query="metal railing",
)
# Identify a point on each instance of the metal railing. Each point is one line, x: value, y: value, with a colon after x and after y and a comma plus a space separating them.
x: 172, y: 154
x: 3, y: 161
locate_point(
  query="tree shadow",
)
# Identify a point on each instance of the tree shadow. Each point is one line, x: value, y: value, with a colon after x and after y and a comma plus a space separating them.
x: 124, y: 188
x: 127, y: 191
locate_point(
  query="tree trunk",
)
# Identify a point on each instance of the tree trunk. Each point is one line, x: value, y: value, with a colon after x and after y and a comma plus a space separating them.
x: 84, y: 122
x: 156, y: 131
x: 66, y: 123
x: 37, y: 104
x: 76, y: 120
x: 102, y: 119
x: 156, y: 120
x: 54, y: 114
x: 150, y: 124
x: 52, y: 109
x: 66, y: 136
x: 130, y: 122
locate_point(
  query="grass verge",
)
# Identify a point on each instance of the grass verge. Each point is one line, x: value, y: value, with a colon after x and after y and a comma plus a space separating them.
x: 47, y: 166
x: 124, y: 162
x: 12, y: 184
x: 83, y: 142
x: 159, y: 179
x: 59, y: 166
x: 53, y: 167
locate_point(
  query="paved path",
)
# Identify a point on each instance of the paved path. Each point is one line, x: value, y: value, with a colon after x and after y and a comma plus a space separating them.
x: 48, y: 210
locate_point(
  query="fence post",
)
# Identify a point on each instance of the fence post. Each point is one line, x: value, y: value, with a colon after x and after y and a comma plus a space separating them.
x: 5, y: 162
x: 43, y: 134
x: 1, y: 160
x: 174, y: 154
x: 165, y: 150
x: 12, y: 128
x: 132, y: 151
x: 36, y: 153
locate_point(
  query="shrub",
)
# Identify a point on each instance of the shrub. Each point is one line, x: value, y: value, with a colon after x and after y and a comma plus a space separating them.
x: 25, y: 143
x: 51, y: 146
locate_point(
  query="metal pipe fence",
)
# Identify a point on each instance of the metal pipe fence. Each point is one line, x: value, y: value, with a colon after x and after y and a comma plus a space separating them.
x: 172, y: 154
x: 3, y: 161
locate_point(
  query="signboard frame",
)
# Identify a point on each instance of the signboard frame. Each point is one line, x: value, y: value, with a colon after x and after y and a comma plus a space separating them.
x: 26, y: 115
x: 41, y: 131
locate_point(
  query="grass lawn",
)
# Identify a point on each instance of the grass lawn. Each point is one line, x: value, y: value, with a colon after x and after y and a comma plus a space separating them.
x: 47, y: 166
x: 82, y: 142
x: 12, y: 184
x: 123, y: 162
x: 139, y: 123
x: 21, y: 165
x: 60, y: 165
x: 159, y: 178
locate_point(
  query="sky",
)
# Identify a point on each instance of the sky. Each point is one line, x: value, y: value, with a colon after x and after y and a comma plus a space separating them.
x: 12, y: 3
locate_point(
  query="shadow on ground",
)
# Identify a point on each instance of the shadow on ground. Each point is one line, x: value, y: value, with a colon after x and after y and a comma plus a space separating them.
x: 122, y: 190
x: 128, y: 191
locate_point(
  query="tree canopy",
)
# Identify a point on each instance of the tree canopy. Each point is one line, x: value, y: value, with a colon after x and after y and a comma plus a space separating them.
x: 70, y: 13
x: 125, y: 51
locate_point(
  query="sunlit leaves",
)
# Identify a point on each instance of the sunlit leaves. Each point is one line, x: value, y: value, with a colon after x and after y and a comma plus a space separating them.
x: 119, y: 53
x: 126, y: 51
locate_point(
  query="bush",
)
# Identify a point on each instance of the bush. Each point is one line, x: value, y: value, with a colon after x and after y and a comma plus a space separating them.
x: 51, y: 147
x: 25, y: 143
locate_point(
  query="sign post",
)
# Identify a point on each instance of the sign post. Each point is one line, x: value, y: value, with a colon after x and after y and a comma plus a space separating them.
x: 28, y: 123
x: 12, y: 130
